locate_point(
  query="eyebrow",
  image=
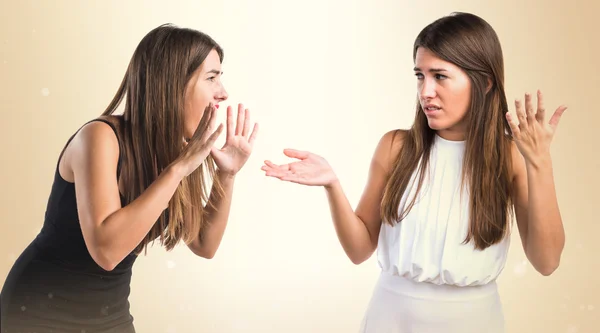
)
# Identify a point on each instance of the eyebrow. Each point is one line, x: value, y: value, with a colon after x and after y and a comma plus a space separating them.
x: 214, y: 71
x: 433, y: 70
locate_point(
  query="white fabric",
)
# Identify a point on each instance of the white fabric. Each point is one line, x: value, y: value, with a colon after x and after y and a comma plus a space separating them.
x: 430, y: 281
x: 427, y: 245
x: 400, y: 305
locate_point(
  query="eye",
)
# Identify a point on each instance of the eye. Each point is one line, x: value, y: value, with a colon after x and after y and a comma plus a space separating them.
x: 212, y: 78
x: 419, y: 76
x: 440, y: 77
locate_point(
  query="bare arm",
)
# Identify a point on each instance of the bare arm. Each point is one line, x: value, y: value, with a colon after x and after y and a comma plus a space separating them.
x: 110, y: 231
x: 536, y: 206
x: 210, y: 237
x: 229, y: 160
x: 358, y: 231
x: 537, y: 212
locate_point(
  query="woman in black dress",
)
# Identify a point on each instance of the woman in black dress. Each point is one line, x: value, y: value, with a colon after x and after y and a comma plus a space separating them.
x: 124, y: 181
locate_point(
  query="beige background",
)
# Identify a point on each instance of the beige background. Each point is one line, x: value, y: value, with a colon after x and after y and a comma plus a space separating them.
x: 330, y: 77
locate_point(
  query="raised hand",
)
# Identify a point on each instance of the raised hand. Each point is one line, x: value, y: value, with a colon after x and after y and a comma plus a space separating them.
x: 310, y: 169
x: 532, y: 134
x: 238, y: 144
x: 200, y: 144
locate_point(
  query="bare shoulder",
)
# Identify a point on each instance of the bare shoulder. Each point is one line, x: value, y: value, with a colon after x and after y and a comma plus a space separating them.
x: 388, y: 148
x: 94, y: 143
x: 115, y: 120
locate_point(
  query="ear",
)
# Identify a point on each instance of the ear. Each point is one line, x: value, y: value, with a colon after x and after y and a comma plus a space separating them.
x: 489, y: 85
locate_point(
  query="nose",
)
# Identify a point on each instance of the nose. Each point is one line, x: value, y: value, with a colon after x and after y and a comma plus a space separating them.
x: 221, y: 94
x: 427, y: 89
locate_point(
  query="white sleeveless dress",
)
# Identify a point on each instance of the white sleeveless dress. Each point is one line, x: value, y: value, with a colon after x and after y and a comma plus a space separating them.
x: 430, y: 282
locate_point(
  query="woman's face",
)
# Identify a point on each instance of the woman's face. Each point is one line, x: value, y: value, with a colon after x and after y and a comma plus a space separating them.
x: 444, y: 91
x: 204, y: 87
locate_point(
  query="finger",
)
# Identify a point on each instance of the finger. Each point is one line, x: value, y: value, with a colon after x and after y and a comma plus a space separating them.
x: 295, y: 179
x: 214, y: 136
x: 211, y: 126
x: 271, y: 171
x: 283, y: 167
x: 240, y: 120
x: 204, y: 121
x: 246, y: 124
x: 268, y: 171
x: 253, y: 135
x: 200, y: 146
x: 207, y: 114
x: 277, y: 174
x: 541, y: 110
x: 520, y: 114
x: 556, y: 116
x: 230, y: 123
x: 293, y: 153
x: 202, y: 132
x: 273, y: 176
x: 529, y: 110
x: 514, y: 127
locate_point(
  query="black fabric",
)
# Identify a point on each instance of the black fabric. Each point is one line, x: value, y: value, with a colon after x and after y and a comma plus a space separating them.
x: 56, y: 286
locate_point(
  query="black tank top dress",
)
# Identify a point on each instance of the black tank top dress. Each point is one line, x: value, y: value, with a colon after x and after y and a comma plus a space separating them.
x: 56, y: 286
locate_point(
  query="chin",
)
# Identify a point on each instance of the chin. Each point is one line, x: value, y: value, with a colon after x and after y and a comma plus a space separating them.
x: 435, y: 125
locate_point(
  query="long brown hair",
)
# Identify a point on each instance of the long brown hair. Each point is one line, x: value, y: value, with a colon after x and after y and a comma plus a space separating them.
x: 152, y: 128
x: 470, y: 43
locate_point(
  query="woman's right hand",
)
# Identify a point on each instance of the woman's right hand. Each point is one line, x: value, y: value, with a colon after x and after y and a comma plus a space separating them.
x: 199, y: 145
x: 310, y: 169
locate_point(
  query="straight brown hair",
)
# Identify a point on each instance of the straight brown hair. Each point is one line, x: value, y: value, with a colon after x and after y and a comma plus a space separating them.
x: 470, y: 43
x: 152, y: 128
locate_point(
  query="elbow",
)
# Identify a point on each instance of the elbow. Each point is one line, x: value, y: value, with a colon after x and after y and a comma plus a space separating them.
x: 545, y: 261
x: 207, y: 254
x: 108, y: 266
x: 357, y: 261
x: 103, y: 261
x: 358, y: 258
x: 104, y: 253
x: 103, y: 258
x: 548, y: 269
x: 203, y: 251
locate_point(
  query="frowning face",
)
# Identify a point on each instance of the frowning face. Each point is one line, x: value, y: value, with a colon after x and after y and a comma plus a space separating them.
x: 444, y: 92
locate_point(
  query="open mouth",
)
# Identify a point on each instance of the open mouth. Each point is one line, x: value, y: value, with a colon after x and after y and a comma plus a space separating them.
x: 431, y: 108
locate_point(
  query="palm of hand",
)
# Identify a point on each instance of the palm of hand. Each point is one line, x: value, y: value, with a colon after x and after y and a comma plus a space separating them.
x: 311, y: 169
x: 238, y: 143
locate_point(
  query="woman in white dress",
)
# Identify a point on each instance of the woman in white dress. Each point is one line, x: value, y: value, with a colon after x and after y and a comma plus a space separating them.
x: 440, y: 196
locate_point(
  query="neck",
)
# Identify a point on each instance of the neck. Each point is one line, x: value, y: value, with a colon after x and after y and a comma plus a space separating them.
x: 451, y: 135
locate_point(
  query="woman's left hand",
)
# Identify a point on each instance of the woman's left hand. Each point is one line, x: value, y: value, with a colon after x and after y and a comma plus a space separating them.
x: 238, y: 143
x: 532, y: 133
